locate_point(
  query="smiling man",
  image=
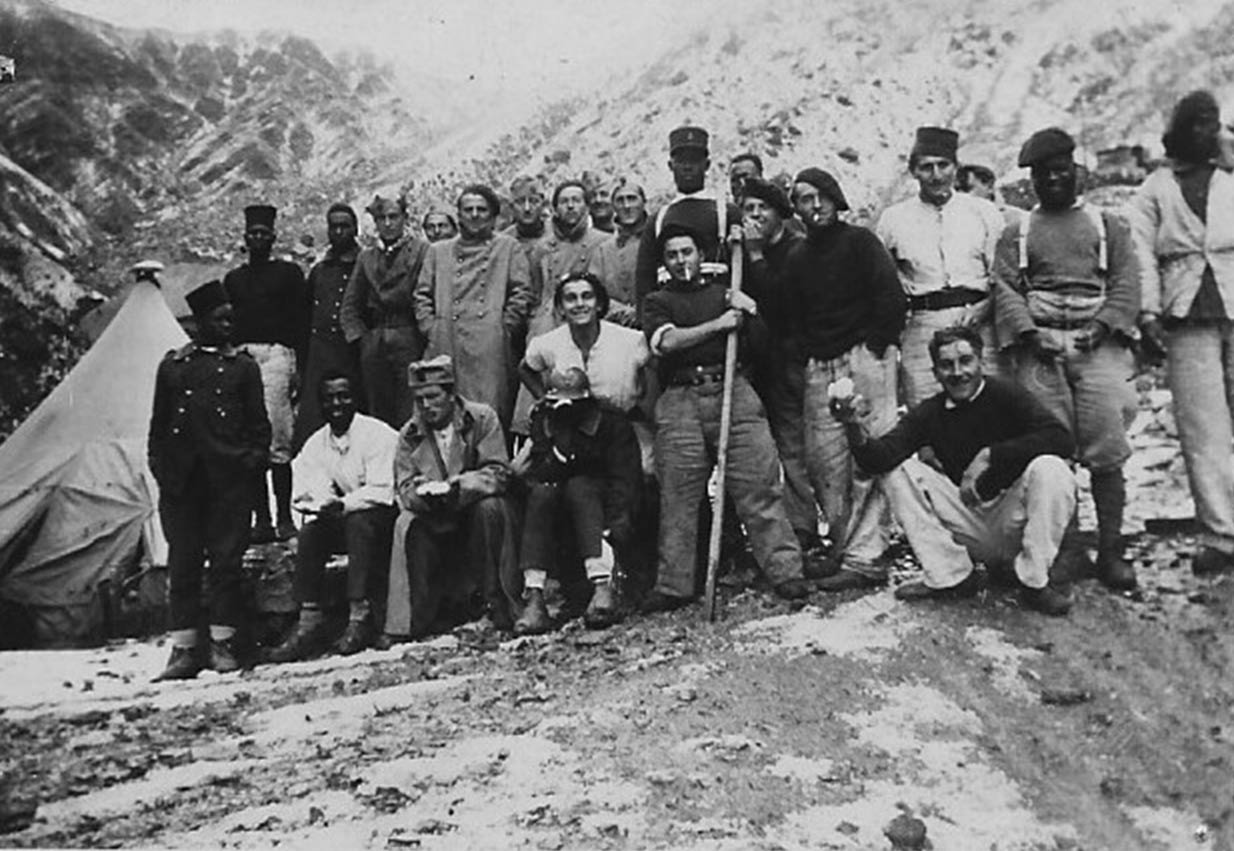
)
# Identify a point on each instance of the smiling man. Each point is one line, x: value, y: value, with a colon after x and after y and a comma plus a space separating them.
x: 1004, y: 495
x: 345, y: 491
x: 943, y: 244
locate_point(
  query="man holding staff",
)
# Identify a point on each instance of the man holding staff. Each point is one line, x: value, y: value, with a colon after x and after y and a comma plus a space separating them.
x: 687, y: 325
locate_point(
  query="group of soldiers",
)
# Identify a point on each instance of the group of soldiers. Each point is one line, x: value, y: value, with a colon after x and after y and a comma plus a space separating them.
x: 481, y: 410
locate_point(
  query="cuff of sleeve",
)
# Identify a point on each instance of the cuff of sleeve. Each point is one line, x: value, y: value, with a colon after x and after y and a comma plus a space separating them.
x: 657, y: 338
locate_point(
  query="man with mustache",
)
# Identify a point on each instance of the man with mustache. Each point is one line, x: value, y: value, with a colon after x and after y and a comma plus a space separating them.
x: 1003, y: 494
x: 943, y: 244
x: 1067, y: 299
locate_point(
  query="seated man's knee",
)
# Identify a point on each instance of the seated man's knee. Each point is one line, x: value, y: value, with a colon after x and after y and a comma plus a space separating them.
x: 1050, y: 468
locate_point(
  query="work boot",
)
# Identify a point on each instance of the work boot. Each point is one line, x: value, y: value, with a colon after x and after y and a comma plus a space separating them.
x: 534, y: 620
x: 1210, y: 561
x: 181, y: 665
x: 305, y: 642
x: 793, y: 589
x: 602, y: 610
x: 658, y: 601
x: 819, y: 566
x: 357, y: 637
x: 1047, y: 600
x: 849, y: 580
x: 1072, y: 563
x: 1109, y: 498
x: 223, y: 655
x: 916, y: 590
x: 389, y: 640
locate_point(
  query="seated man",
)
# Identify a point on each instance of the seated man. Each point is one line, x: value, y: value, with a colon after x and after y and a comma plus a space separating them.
x: 344, y: 484
x: 687, y: 324
x: 1005, y: 494
x: 584, y: 458
x: 453, y: 554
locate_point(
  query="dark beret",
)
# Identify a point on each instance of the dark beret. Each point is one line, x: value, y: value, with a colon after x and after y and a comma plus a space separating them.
x: 770, y: 194
x: 1044, y: 144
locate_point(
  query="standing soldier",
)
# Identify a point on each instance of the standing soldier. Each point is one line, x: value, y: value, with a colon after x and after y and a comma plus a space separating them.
x: 621, y: 250
x: 1067, y: 300
x: 209, y: 437
x: 1183, y: 219
x: 328, y: 349
x: 571, y: 248
x: 943, y: 244
x: 693, y: 208
x: 840, y: 288
x: 273, y: 309
x: 687, y: 324
x: 472, y: 302
x: 378, y: 311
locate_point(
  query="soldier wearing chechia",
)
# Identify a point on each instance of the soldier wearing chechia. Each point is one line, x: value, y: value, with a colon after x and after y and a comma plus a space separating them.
x: 1066, y: 302
x: 209, y: 436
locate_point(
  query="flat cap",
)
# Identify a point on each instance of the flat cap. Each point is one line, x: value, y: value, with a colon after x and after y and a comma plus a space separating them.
x: 438, y: 370
x: 687, y: 137
x: 207, y: 297
x: 770, y: 194
x: 1043, y: 144
x: 824, y: 183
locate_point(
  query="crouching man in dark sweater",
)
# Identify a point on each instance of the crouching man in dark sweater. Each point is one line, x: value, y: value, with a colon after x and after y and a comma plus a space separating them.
x: 1005, y: 494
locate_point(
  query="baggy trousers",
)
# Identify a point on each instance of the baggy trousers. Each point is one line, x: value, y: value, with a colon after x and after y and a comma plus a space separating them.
x: 1022, y: 526
x: 687, y: 439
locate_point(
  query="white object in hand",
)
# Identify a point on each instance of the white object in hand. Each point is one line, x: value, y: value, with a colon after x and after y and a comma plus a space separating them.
x: 433, y: 489
x: 841, y: 389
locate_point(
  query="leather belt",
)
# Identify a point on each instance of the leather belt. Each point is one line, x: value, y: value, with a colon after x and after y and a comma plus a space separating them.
x: 943, y: 299
x: 695, y: 375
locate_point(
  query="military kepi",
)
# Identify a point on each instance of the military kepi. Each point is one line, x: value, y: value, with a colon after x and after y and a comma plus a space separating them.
x: 687, y: 137
x: 207, y: 297
x: 936, y: 142
x: 1043, y: 144
x: 259, y: 215
x: 438, y: 370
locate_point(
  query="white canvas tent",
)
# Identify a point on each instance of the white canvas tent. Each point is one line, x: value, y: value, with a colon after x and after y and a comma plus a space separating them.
x: 77, y: 501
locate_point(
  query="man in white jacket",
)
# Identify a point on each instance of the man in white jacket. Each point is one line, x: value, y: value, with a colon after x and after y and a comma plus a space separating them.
x: 1182, y: 221
x: 344, y: 485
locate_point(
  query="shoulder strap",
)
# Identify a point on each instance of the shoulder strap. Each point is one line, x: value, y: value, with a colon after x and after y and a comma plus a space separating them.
x: 1023, y: 239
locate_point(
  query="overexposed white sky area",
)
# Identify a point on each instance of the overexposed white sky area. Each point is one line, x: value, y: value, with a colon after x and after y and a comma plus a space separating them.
x: 557, y: 44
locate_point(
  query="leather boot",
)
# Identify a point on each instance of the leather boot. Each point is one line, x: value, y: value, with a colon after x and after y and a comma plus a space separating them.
x: 602, y: 610
x: 534, y: 619
x: 1072, y: 562
x: 181, y: 665
x: 1109, y: 498
x: 358, y: 636
x: 280, y: 479
x: 305, y: 642
x: 223, y: 655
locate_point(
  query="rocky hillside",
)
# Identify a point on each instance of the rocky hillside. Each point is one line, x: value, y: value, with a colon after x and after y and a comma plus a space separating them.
x: 844, y: 84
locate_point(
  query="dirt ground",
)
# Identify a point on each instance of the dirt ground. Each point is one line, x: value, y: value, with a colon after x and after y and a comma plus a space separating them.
x: 779, y: 727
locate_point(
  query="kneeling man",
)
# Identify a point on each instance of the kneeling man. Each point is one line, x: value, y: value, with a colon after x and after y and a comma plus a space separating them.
x: 1005, y: 494
x: 344, y: 485
x: 454, y: 554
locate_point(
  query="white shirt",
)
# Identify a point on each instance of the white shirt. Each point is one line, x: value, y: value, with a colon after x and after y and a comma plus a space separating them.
x: 937, y: 248
x: 357, y: 467
x: 612, y: 365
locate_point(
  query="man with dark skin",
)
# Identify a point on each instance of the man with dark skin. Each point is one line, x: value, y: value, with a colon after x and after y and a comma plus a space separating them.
x: 378, y: 314
x: 1067, y: 298
x: 693, y: 208
x: 328, y: 349
x: 740, y: 169
x: 1183, y: 221
x: 209, y: 437
x: 345, y: 491
x: 273, y: 314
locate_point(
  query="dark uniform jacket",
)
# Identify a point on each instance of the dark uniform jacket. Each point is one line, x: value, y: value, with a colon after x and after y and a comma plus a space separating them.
x: 381, y: 289
x: 272, y: 304
x: 208, y: 409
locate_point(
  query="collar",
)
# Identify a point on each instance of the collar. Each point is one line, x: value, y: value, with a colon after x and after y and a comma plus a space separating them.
x: 575, y: 233
x: 462, y: 422
x: 950, y: 403
x: 393, y: 248
x: 348, y: 256
x: 703, y: 194
x: 226, y: 350
x: 530, y: 233
x: 624, y: 235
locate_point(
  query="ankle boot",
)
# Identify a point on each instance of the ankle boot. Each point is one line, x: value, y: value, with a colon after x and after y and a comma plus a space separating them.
x: 534, y: 619
x: 280, y: 478
x: 1109, y: 498
x: 1072, y: 563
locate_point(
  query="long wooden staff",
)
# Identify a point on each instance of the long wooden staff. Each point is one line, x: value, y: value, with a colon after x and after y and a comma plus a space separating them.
x: 726, y: 415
